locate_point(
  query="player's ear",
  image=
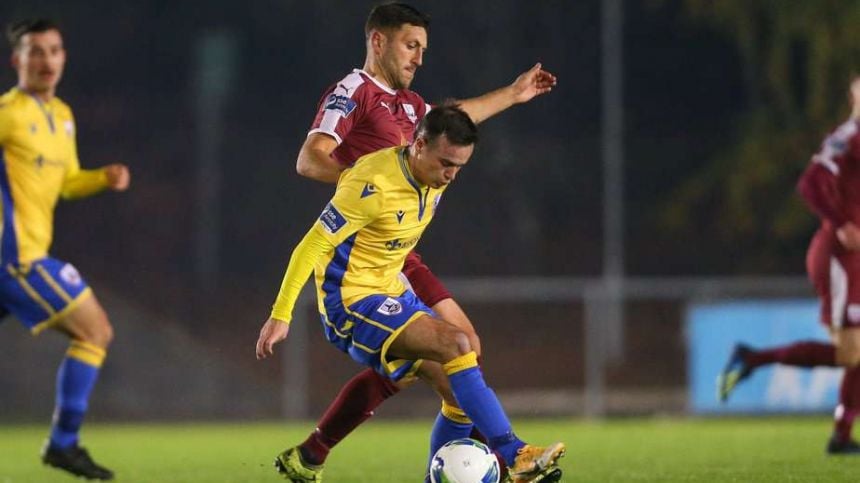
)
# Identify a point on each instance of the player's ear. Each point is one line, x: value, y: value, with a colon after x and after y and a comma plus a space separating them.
x: 377, y: 41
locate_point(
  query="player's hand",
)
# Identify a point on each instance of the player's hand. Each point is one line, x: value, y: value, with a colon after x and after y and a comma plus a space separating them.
x: 531, y: 83
x: 118, y: 176
x: 273, y: 331
x: 849, y: 236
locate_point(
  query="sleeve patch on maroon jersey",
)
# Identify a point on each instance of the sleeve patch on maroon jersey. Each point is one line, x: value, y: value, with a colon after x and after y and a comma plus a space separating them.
x: 342, y: 104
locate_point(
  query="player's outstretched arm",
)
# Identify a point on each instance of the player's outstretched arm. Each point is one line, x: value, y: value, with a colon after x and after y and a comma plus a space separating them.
x: 315, y: 160
x: 80, y: 183
x: 526, y: 87
x: 312, y: 247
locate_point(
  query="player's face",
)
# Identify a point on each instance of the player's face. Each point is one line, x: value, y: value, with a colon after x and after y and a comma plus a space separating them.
x: 403, y: 55
x: 437, y: 163
x: 39, y: 61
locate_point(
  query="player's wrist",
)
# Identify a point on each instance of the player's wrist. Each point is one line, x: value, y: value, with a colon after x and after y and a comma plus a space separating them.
x: 282, y: 318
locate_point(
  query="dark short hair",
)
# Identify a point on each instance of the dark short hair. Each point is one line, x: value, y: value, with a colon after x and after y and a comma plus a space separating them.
x: 450, y: 120
x: 16, y: 30
x: 390, y: 16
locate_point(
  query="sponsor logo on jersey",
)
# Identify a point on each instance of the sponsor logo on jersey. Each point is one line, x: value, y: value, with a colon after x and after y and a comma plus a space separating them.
x: 70, y: 275
x: 390, y: 307
x: 410, y: 112
x: 368, y: 190
x: 331, y: 219
x: 385, y: 105
x: 399, y: 215
x: 398, y: 244
x: 340, y: 104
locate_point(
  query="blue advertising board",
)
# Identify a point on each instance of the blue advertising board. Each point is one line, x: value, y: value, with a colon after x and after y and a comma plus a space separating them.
x: 712, y: 331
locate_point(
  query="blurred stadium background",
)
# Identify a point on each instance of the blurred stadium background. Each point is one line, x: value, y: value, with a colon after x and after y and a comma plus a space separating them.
x: 588, y: 240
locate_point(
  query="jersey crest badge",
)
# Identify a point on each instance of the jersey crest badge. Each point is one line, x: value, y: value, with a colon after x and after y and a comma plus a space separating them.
x: 410, y: 112
x: 331, y: 219
x: 390, y: 307
x: 399, y: 215
x: 70, y: 275
x: 341, y: 104
x: 368, y: 190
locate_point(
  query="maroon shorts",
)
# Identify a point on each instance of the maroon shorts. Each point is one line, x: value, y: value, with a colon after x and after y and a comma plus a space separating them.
x: 427, y: 287
x: 835, y: 273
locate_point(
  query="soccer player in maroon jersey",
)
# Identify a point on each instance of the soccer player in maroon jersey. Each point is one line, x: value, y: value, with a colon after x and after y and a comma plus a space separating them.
x: 370, y: 109
x: 830, y: 188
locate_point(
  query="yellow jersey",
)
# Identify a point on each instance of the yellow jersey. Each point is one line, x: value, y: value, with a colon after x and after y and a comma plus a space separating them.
x: 360, y: 241
x: 38, y: 164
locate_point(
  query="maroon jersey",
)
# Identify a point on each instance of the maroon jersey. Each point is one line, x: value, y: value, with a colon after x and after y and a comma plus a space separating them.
x: 364, y: 116
x: 831, y: 188
x: 831, y: 184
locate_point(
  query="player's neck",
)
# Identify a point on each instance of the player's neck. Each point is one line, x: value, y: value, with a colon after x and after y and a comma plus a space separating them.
x: 42, y: 96
x: 410, y: 164
x: 373, y: 69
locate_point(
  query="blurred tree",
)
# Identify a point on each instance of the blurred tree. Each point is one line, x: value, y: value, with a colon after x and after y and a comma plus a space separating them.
x: 798, y: 58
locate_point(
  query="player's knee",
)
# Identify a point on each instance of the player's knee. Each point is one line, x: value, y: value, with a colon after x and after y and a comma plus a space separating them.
x: 100, y: 334
x: 461, y: 343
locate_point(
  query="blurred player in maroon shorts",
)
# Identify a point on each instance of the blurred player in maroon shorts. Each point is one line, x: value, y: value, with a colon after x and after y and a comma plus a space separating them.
x: 831, y: 188
x: 370, y: 109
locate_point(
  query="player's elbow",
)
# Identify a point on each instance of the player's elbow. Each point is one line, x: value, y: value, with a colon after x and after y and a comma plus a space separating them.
x: 304, y: 166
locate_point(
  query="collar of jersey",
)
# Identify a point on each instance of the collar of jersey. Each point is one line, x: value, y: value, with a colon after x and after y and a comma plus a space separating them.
x: 47, y: 108
x: 373, y: 79
x: 407, y: 173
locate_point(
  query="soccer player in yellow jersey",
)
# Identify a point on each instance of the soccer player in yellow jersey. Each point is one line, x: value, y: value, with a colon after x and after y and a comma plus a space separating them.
x: 357, y: 249
x: 38, y: 165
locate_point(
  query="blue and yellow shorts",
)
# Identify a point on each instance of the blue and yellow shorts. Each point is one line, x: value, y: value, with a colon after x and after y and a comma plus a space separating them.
x: 42, y: 292
x: 365, y: 329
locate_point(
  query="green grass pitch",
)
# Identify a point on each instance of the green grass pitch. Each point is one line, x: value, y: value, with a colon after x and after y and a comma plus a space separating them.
x: 658, y: 450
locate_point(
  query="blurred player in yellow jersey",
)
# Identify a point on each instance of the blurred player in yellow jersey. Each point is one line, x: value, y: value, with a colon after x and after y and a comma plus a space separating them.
x: 38, y: 165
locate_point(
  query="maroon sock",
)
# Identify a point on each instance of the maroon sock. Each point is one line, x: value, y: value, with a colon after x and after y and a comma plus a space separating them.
x: 849, y: 400
x: 801, y: 354
x: 353, y: 405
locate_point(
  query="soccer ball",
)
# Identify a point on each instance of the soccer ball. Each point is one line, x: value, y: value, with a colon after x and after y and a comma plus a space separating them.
x: 464, y: 461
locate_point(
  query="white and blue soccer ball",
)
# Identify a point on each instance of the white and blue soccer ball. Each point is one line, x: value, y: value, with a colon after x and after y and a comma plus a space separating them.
x: 464, y: 461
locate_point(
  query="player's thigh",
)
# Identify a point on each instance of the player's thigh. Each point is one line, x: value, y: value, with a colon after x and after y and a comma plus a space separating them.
x: 88, y: 322
x: 429, y: 338
x: 450, y: 311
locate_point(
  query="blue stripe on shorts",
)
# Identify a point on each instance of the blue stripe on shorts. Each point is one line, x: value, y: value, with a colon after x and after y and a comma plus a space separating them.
x: 46, y: 288
x: 361, y: 329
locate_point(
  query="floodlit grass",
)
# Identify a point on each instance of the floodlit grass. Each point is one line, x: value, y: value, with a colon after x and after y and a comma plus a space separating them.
x: 659, y: 450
